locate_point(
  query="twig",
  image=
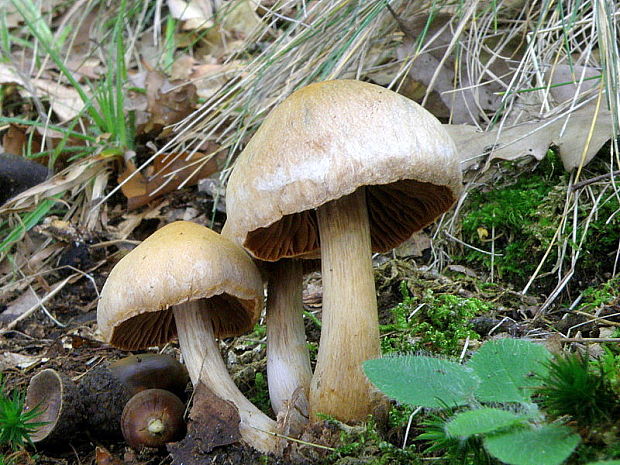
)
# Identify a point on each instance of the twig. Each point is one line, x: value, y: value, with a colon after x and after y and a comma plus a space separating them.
x: 40, y: 303
x: 587, y: 182
x: 587, y: 340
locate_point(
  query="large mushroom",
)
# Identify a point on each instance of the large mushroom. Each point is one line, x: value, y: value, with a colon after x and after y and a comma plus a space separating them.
x: 189, y: 281
x: 349, y: 168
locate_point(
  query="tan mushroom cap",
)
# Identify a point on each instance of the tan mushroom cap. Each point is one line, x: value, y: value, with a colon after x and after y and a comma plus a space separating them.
x: 325, y: 141
x: 180, y: 262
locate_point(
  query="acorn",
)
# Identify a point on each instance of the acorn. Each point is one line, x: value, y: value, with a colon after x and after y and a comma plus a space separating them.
x: 107, y: 389
x: 152, y: 418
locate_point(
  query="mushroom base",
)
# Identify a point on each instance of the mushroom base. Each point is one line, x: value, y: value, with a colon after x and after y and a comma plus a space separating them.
x: 205, y: 365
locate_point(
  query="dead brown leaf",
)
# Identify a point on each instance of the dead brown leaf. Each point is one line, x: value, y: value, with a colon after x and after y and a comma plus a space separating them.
x: 214, y: 422
x: 168, y: 102
x: 65, y: 101
x: 222, y: 26
x: 207, y: 77
x: 104, y: 457
x: 9, y: 75
x: 165, y: 174
x: 16, y: 140
x: 569, y: 133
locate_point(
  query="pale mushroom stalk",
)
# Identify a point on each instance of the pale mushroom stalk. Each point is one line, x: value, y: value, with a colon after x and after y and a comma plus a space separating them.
x: 205, y: 365
x: 288, y: 361
x: 350, y: 329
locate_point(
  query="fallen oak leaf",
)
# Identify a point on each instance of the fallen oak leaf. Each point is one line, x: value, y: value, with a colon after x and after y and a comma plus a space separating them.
x: 170, y: 171
x: 214, y: 422
x: 65, y: 101
x: 104, y: 457
x: 568, y: 132
x: 168, y: 102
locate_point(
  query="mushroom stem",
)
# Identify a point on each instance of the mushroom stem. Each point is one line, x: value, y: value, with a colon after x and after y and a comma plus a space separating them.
x: 288, y: 360
x: 205, y: 365
x: 350, y: 327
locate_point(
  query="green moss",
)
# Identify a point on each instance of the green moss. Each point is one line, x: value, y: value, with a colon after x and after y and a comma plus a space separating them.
x: 437, y: 323
x: 366, y: 446
x: 521, y: 219
x: 595, y: 296
x: 521, y: 216
x: 260, y: 393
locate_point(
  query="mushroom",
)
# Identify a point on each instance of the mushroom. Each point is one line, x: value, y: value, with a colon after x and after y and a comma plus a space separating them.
x: 351, y: 168
x: 288, y: 360
x: 189, y: 281
x: 152, y: 418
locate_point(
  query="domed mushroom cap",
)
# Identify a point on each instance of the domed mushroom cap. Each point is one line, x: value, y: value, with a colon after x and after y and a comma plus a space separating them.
x: 324, y: 142
x: 180, y: 262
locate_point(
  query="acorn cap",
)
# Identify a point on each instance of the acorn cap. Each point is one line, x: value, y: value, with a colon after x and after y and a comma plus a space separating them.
x: 180, y: 262
x: 325, y: 141
x: 60, y: 403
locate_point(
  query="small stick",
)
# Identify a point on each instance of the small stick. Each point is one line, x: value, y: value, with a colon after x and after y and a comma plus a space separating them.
x: 587, y: 340
x: 27, y: 313
x: 587, y: 182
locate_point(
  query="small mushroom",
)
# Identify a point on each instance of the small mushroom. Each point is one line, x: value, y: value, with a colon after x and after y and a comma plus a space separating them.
x: 349, y: 168
x: 152, y: 418
x: 189, y: 281
x: 60, y: 404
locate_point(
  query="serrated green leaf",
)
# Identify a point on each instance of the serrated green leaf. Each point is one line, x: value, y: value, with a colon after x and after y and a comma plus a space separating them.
x: 548, y: 445
x: 424, y: 381
x: 481, y: 421
x: 506, y: 368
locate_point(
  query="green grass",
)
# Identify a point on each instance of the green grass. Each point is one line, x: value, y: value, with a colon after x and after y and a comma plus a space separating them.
x: 16, y: 425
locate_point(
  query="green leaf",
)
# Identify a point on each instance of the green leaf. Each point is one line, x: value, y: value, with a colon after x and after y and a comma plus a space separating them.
x: 481, y: 421
x: 506, y: 368
x: 425, y: 381
x: 548, y: 445
x: 605, y: 462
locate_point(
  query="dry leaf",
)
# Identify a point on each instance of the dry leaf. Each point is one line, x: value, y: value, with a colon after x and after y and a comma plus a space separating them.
x: 18, y: 306
x: 568, y: 132
x: 464, y: 97
x: 169, y: 172
x: 564, y: 81
x: 221, y: 25
x: 17, y: 140
x: 197, y: 14
x: 168, y: 102
x: 207, y: 77
x: 77, y: 174
x: 9, y: 360
x: 8, y: 75
x: 104, y: 457
x: 65, y: 101
x: 214, y: 422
